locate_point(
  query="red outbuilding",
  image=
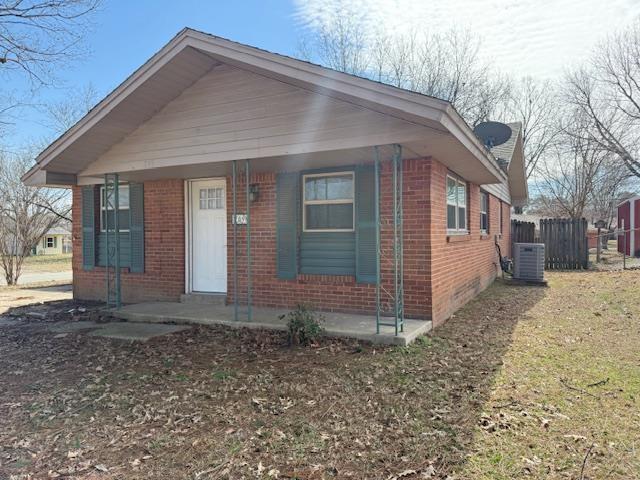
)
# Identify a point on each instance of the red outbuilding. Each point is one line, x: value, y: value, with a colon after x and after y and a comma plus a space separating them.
x: 629, y: 218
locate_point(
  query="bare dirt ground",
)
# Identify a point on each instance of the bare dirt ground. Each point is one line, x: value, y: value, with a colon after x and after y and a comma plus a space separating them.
x: 524, y: 382
x: 17, y: 296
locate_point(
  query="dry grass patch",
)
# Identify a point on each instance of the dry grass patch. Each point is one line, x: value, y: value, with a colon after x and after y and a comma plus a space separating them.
x: 568, y: 393
x: 47, y: 263
x: 480, y: 398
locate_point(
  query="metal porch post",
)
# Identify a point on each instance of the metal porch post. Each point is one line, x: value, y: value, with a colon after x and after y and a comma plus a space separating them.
x: 395, y: 238
x: 112, y: 253
x: 400, y: 295
x: 248, y: 200
x: 377, y: 219
x: 235, y: 240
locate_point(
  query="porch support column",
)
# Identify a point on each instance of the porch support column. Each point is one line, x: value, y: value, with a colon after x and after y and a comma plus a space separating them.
x: 376, y: 170
x: 234, y: 224
x: 398, y: 249
x: 248, y: 200
x: 112, y: 252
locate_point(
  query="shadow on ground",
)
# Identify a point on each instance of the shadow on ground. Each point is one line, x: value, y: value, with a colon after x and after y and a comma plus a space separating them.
x: 238, y: 403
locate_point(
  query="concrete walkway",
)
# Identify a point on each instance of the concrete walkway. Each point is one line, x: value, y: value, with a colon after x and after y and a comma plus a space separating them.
x: 40, y: 277
x: 140, y: 332
x: 360, y: 327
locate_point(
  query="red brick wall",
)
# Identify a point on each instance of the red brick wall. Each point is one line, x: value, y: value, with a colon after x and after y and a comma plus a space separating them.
x: 163, y: 278
x: 441, y: 273
x: 335, y: 293
x: 463, y: 265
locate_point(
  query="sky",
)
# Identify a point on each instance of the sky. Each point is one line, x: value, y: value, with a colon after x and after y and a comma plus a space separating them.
x: 525, y: 37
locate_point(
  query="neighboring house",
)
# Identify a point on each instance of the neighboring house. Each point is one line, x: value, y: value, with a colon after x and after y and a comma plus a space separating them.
x: 55, y: 242
x: 173, y: 130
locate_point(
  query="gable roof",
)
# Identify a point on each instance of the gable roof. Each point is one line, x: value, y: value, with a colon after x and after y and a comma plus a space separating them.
x: 58, y: 231
x: 190, y: 55
x: 506, y: 150
x: 511, y: 155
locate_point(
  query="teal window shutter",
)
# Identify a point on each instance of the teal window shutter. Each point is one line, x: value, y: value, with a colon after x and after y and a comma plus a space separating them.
x: 136, y: 227
x: 365, y: 224
x: 287, y: 215
x: 88, y: 228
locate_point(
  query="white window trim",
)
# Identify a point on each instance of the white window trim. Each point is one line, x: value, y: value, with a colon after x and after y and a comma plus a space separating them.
x: 351, y: 201
x: 46, y: 244
x: 102, y: 229
x: 457, y: 231
x: 486, y: 212
x: 207, y: 198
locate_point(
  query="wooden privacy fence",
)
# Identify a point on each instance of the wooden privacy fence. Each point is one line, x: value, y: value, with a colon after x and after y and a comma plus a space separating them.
x: 565, y: 243
x: 523, y: 232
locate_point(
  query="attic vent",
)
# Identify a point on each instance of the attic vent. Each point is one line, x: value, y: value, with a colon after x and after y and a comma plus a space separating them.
x: 492, y: 134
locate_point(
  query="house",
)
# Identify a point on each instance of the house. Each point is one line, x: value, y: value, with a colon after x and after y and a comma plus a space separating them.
x: 629, y: 221
x: 251, y: 177
x: 55, y: 242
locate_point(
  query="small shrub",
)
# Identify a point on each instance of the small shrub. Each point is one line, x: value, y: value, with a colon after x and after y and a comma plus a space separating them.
x: 304, y: 326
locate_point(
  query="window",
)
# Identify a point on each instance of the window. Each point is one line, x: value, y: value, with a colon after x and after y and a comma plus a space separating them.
x: 484, y: 212
x: 456, y: 205
x: 106, y: 215
x: 211, y: 198
x: 328, y: 202
x: 50, y: 242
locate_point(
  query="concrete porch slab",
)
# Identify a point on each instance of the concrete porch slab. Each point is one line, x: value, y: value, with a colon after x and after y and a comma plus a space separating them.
x: 361, y: 327
x: 140, y: 332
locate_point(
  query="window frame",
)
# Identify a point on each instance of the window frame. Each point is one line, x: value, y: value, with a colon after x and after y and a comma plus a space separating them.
x: 459, y: 181
x: 485, y: 212
x: 102, y: 207
x: 351, y: 201
x: 215, y: 198
x: 46, y: 242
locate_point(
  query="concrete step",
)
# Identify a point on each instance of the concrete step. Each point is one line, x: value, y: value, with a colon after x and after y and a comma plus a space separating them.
x: 204, y: 298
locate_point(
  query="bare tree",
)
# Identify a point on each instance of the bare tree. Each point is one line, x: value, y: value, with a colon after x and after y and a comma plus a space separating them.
x: 443, y: 65
x: 26, y: 214
x: 341, y: 45
x: 62, y: 115
x: 37, y: 37
x: 607, y: 91
x: 447, y: 66
x: 535, y: 105
x: 568, y: 176
x: 611, y: 185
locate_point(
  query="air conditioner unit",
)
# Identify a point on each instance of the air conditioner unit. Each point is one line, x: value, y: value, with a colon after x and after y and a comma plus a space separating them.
x: 528, y: 261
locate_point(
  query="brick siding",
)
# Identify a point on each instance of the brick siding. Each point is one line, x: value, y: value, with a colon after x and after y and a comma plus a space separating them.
x: 462, y: 266
x: 163, y: 278
x: 441, y: 272
x: 335, y: 293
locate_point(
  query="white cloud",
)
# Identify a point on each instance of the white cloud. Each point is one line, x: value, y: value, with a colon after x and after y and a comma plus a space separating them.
x: 525, y: 37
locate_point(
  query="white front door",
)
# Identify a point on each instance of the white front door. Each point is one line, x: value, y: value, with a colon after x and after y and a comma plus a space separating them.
x: 208, y: 236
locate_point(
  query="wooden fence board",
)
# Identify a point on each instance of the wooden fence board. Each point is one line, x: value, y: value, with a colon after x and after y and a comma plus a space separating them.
x: 523, y: 232
x: 565, y: 241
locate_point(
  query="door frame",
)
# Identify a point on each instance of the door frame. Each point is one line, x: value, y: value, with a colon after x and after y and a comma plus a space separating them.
x: 188, y: 228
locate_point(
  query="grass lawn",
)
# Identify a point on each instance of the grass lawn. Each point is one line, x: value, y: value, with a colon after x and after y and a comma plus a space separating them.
x: 524, y: 382
x: 47, y: 263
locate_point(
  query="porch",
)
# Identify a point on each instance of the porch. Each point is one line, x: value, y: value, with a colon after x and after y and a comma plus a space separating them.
x: 360, y: 327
